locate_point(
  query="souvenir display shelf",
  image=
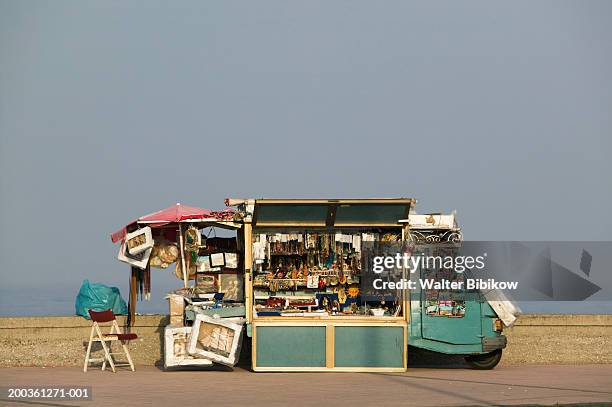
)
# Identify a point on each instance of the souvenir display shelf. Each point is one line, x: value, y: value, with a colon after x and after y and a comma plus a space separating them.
x: 215, y: 264
x: 296, y: 326
x: 316, y: 274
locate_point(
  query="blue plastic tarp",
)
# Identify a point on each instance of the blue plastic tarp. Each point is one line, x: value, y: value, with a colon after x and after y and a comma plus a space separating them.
x: 99, y: 297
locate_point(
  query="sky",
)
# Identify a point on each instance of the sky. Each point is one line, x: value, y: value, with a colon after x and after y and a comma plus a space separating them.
x: 113, y: 109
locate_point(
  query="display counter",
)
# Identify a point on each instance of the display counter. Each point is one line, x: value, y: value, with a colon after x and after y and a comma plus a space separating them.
x: 329, y: 344
x: 307, y: 304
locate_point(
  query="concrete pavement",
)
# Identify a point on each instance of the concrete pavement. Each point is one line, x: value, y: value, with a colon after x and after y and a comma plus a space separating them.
x: 516, y: 385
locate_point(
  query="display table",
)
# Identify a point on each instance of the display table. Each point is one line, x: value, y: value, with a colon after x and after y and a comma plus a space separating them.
x: 342, y: 343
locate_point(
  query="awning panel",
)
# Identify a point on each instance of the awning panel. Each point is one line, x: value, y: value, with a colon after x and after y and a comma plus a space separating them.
x: 296, y: 214
x: 370, y: 214
x: 331, y: 213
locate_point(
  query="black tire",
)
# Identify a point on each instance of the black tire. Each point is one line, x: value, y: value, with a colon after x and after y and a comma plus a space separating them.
x: 486, y: 361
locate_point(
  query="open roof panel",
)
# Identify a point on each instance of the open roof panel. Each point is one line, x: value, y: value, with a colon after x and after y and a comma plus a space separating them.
x: 331, y: 212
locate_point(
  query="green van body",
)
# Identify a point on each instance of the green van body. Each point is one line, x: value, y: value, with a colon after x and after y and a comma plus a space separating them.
x: 474, y: 333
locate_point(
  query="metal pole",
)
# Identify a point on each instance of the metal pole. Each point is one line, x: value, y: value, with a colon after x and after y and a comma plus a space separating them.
x: 182, y: 244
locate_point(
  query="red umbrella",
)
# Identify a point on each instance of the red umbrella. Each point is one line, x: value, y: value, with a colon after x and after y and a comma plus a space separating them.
x: 175, y: 213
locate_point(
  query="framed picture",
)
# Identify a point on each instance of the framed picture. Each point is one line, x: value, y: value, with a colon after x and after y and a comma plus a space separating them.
x: 139, y: 241
x: 217, y: 260
x: 232, y: 285
x: 139, y: 260
x: 216, y: 339
x: 206, y: 283
x: 203, y: 264
x: 231, y: 260
x: 176, y: 342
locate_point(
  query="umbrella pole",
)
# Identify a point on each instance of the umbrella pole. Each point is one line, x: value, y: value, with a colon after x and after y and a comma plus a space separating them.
x: 182, y: 244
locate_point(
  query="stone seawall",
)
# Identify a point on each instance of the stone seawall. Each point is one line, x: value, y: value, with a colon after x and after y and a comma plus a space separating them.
x: 535, y: 339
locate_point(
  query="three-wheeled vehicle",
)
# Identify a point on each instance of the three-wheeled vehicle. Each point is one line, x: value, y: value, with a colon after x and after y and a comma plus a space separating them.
x: 435, y: 323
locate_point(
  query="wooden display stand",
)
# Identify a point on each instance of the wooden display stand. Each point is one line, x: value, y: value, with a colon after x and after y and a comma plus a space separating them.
x: 348, y: 343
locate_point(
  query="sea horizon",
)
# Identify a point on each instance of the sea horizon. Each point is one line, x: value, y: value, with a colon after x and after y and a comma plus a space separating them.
x: 60, y: 301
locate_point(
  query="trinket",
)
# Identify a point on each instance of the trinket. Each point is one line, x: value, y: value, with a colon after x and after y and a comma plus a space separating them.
x: 342, y: 295
x: 322, y: 283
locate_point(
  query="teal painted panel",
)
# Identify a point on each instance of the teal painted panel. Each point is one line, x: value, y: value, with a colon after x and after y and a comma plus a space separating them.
x: 458, y: 331
x: 290, y: 346
x: 368, y: 346
x: 291, y: 213
x: 370, y: 213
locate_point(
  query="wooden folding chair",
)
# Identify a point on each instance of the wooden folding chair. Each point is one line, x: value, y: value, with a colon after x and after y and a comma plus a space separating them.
x: 106, y: 340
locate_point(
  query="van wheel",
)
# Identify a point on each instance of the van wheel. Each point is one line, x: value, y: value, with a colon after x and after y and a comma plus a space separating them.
x: 484, y: 362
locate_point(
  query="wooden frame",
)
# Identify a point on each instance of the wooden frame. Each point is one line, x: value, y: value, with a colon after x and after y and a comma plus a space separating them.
x: 218, y: 261
x: 329, y: 322
x: 171, y: 359
x: 139, y: 260
x: 226, y: 324
x: 139, y: 248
